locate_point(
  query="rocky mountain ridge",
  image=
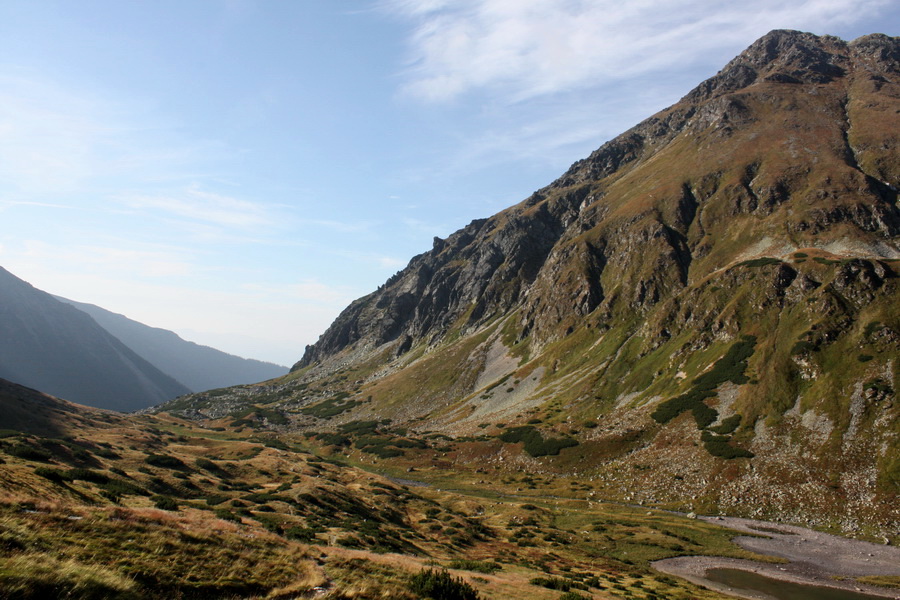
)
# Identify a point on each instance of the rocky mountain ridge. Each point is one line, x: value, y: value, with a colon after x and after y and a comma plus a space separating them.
x: 595, y: 217
x: 702, y: 314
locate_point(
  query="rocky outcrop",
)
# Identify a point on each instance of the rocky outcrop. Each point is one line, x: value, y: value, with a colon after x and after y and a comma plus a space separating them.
x: 776, y: 152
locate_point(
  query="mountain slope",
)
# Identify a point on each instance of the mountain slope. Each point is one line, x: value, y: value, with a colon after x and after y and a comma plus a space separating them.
x: 680, y: 317
x: 791, y: 146
x: 197, y: 367
x: 54, y: 347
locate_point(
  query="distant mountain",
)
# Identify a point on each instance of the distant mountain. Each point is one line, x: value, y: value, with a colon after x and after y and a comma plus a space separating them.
x: 197, y: 367
x: 58, y: 349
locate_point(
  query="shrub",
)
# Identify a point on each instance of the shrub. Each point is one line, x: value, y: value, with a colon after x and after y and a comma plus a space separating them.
x: 27, y: 452
x: 573, y: 596
x: 871, y: 328
x: 164, y: 503
x: 164, y: 461
x: 535, y: 443
x: 556, y: 583
x: 479, y: 566
x: 331, y: 407
x: 272, y: 416
x: 208, y: 465
x: 440, y: 585
x: 719, y: 446
x: 802, y: 347
x: 760, y: 262
x: 88, y: 475
x: 119, y: 487
x: 226, y: 515
x: 333, y: 439
x: 359, y: 427
x: 55, y: 475
x: 879, y: 385
x: 730, y: 367
x: 728, y: 425
x: 704, y: 415
x: 306, y: 535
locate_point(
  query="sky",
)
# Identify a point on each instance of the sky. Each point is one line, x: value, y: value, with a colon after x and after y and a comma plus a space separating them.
x: 239, y: 171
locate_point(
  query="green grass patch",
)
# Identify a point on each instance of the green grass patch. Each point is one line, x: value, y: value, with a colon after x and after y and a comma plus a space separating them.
x: 760, y: 262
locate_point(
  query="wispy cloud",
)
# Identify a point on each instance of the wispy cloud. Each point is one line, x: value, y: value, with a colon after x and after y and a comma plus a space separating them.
x: 521, y: 50
x: 196, y: 204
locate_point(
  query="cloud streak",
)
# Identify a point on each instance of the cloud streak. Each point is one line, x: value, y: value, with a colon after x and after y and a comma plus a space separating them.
x: 521, y: 50
x: 196, y: 204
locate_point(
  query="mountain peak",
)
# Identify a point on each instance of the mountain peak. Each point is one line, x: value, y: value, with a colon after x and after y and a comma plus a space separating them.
x: 661, y: 182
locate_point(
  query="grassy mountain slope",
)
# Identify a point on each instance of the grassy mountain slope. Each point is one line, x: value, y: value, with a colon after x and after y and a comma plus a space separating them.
x: 703, y: 314
x: 100, y: 505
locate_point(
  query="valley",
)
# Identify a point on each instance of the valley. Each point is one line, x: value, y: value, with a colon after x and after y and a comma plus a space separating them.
x: 683, y: 354
x: 124, y: 507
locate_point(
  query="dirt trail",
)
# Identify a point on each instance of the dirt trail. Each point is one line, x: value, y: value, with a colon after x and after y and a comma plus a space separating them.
x: 815, y: 558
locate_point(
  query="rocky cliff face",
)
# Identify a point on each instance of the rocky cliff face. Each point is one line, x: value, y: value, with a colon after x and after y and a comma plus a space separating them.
x: 791, y: 146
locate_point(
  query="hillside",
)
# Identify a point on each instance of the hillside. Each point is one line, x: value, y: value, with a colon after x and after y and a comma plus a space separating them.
x: 56, y: 348
x: 95, y: 504
x: 702, y: 314
x: 197, y: 367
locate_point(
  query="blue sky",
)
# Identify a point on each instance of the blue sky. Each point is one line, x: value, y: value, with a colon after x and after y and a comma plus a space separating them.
x: 239, y: 171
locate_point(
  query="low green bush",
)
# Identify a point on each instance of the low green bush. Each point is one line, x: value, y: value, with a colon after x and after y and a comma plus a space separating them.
x: 730, y: 367
x: 479, y: 566
x: 556, y: 583
x: 307, y: 535
x: 27, y: 452
x: 226, y: 515
x: 728, y: 425
x: 719, y: 446
x: 573, y: 596
x: 164, y: 461
x: 164, y: 503
x: 435, y: 584
x: 535, y: 443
